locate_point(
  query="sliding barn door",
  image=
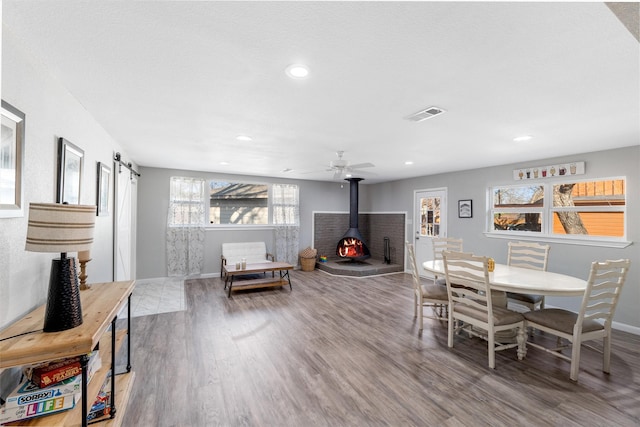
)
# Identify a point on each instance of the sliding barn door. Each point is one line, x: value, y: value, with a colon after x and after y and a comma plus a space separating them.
x: 124, y: 224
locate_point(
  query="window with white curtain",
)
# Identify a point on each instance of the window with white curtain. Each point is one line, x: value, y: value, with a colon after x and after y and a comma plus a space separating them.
x: 185, y: 226
x: 284, y: 204
x: 186, y: 201
x: 285, y: 216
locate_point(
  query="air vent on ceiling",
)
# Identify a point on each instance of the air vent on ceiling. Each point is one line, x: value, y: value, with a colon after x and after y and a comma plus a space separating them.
x: 427, y: 113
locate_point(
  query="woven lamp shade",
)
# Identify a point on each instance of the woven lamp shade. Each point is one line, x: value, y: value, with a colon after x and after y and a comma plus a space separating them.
x: 60, y: 228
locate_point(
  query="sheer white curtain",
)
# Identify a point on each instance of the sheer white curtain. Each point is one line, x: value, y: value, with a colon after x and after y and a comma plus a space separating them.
x: 185, y: 226
x: 286, y: 220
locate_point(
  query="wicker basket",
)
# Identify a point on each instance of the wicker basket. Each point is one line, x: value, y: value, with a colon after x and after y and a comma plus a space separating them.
x: 308, y: 259
x: 308, y: 264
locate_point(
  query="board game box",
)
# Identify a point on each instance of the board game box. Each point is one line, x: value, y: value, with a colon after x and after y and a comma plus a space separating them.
x: 28, y: 401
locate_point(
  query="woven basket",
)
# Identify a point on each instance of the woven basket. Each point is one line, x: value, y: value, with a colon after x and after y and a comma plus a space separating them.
x: 308, y: 264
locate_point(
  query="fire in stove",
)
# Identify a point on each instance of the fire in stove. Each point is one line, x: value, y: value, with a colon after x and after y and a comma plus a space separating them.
x: 351, y: 248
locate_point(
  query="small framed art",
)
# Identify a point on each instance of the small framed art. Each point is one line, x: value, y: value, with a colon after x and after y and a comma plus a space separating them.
x: 102, y: 190
x: 11, y: 162
x: 70, y: 164
x: 465, y: 209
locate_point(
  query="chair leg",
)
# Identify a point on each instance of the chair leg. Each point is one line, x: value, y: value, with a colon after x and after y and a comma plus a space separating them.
x: 575, y: 358
x: 450, y: 327
x: 492, y: 349
x: 420, y: 313
x: 415, y: 305
x: 606, y: 353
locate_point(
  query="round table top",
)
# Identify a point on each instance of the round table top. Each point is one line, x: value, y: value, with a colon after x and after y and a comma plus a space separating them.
x: 524, y: 280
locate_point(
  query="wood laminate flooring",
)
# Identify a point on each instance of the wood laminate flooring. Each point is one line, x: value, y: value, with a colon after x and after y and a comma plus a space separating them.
x: 338, y: 351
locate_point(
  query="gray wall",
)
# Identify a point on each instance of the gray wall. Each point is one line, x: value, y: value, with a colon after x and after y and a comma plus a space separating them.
x: 153, y: 204
x: 51, y: 112
x: 564, y: 258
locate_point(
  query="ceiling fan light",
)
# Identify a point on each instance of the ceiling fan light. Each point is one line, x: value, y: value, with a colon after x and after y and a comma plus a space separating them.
x: 522, y: 138
x: 297, y: 71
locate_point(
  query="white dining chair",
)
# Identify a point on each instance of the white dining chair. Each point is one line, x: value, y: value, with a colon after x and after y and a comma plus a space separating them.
x: 424, y: 295
x: 528, y: 255
x: 593, y: 321
x: 471, y: 308
x: 440, y: 244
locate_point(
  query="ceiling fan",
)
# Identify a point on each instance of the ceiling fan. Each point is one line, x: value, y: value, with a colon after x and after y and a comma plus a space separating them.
x: 342, y: 168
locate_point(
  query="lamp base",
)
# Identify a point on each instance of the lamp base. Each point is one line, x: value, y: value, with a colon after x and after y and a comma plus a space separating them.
x: 64, y: 310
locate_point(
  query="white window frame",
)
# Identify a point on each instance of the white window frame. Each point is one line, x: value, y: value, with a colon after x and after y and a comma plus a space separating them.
x: 548, y: 211
x: 269, y: 226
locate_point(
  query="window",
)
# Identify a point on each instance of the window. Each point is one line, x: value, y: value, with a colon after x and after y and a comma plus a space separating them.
x: 594, y: 209
x: 238, y: 203
x: 285, y: 204
x: 186, y: 201
x: 518, y: 208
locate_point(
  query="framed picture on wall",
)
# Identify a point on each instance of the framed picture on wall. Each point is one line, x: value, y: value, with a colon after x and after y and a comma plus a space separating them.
x: 11, y: 162
x: 465, y: 209
x: 102, y: 190
x: 70, y: 165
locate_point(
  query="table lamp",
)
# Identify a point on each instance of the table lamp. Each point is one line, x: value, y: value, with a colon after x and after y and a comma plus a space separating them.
x: 61, y: 228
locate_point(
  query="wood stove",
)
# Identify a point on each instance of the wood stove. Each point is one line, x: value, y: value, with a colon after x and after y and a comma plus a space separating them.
x: 352, y: 246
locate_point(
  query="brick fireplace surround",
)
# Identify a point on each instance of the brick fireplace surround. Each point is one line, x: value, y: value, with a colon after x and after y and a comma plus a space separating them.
x: 329, y: 228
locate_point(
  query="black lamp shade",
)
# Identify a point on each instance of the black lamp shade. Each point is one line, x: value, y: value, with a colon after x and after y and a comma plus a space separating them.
x: 63, y: 304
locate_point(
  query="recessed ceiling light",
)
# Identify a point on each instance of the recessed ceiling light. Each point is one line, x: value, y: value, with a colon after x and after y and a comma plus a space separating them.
x: 286, y: 170
x: 297, y: 71
x: 224, y: 163
x: 408, y: 162
x: 522, y: 138
x: 244, y: 138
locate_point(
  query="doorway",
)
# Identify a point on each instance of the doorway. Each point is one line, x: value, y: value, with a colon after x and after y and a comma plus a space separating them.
x: 430, y: 220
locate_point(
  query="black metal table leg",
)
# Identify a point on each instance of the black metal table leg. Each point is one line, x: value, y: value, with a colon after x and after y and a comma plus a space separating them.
x: 84, y: 363
x: 129, y: 335
x: 286, y: 274
x: 113, y: 367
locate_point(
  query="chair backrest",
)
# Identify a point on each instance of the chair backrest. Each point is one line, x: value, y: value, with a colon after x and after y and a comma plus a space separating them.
x: 470, y: 275
x: 528, y: 255
x: 441, y: 244
x: 603, y: 290
x: 413, y: 264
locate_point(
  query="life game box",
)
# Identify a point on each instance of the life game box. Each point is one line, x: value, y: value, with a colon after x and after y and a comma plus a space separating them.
x: 28, y: 401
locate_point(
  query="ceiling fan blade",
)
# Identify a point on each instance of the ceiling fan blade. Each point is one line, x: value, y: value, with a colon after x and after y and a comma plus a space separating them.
x: 361, y: 165
x: 337, y: 174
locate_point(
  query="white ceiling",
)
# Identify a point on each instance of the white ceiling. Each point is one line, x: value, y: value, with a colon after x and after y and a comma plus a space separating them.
x: 174, y: 82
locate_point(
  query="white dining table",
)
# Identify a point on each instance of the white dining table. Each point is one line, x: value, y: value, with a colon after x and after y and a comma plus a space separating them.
x: 524, y: 280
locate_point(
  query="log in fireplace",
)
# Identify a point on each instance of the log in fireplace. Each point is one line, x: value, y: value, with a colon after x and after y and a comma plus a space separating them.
x: 352, y: 246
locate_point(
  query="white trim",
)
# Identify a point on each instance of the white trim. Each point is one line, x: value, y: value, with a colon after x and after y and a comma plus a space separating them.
x: 635, y: 330
x: 216, y: 227
x: 537, y: 237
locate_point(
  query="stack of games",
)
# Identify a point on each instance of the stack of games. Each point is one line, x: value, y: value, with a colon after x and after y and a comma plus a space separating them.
x: 62, y: 389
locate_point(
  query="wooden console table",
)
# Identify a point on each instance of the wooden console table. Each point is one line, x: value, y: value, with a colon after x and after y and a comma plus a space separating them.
x: 230, y: 271
x: 25, y: 343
